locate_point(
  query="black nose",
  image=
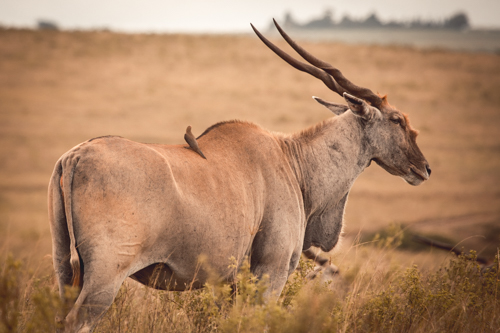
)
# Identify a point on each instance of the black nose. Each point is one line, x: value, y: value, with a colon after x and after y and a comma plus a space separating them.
x: 428, y: 168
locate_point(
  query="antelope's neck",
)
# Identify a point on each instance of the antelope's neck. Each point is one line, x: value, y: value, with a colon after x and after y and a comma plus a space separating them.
x: 327, y: 158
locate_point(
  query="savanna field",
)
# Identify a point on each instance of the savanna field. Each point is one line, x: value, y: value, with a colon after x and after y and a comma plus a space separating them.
x: 58, y: 89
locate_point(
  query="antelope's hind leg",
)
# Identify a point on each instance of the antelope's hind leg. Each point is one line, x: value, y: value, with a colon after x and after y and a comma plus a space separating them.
x: 101, y: 282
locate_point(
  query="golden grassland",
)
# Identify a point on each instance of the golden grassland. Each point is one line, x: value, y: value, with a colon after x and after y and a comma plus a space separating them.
x: 58, y: 89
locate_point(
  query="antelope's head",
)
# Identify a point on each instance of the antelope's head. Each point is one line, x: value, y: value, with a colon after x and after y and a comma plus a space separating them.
x: 387, y: 131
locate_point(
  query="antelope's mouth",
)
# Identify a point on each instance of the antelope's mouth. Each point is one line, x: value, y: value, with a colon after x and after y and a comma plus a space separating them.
x: 419, y: 173
x: 391, y: 170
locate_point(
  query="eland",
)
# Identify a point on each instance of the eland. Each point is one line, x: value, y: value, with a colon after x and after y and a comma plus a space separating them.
x: 119, y: 208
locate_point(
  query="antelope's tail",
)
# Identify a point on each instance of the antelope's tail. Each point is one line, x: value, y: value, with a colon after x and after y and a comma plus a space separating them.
x: 61, y: 218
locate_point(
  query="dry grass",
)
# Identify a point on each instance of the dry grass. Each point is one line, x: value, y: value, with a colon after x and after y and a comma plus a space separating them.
x: 58, y: 89
x: 377, y: 296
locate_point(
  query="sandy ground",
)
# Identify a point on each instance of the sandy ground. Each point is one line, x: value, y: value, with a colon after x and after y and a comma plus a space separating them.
x: 58, y: 89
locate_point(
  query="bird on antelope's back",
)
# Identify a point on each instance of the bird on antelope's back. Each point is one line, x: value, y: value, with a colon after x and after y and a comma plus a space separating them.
x: 191, y: 141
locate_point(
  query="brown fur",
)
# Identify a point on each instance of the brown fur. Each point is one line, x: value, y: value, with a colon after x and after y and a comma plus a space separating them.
x: 214, y: 126
x: 311, y: 132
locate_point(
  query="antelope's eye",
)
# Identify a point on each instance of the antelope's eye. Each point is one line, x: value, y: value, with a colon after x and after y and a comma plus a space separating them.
x: 396, y: 120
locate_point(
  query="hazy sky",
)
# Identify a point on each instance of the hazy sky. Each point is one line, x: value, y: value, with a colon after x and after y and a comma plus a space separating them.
x: 228, y: 15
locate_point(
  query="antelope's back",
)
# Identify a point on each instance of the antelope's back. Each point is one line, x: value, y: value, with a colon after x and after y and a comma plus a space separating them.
x: 166, y: 198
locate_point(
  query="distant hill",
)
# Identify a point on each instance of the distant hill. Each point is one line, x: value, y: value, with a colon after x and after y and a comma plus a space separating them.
x: 458, y: 21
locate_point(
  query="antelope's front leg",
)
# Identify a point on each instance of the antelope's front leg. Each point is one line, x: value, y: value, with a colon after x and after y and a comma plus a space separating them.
x: 275, y: 255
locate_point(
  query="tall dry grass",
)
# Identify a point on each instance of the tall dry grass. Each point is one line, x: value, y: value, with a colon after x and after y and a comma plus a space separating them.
x: 376, y: 297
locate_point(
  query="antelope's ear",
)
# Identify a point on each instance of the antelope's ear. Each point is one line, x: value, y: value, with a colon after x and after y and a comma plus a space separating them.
x: 360, y: 108
x: 338, y: 109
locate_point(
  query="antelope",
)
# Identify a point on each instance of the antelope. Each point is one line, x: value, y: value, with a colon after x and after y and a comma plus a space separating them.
x: 119, y: 208
x: 324, y: 268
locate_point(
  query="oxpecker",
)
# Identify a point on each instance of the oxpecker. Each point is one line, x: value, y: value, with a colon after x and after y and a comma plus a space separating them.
x: 191, y: 141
